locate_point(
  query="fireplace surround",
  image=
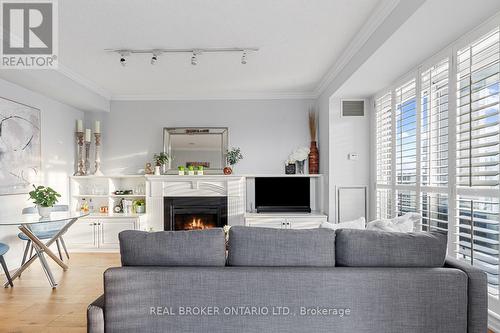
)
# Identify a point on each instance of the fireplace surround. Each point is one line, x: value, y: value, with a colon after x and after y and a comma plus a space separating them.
x: 194, y: 213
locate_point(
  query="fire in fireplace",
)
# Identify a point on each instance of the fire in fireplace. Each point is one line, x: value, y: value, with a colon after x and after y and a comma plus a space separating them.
x: 195, y: 213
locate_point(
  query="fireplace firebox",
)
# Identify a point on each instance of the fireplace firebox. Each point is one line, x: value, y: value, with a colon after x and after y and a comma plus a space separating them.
x: 194, y: 213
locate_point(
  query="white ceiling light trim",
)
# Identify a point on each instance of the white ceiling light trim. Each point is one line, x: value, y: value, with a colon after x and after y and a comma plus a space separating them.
x: 199, y: 97
x: 381, y: 13
x: 92, y: 86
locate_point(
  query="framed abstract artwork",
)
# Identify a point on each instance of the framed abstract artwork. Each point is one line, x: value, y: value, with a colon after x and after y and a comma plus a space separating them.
x: 20, y: 146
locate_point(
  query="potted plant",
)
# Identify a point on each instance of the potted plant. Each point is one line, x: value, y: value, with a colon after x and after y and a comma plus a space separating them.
x: 44, y: 198
x: 182, y: 170
x: 161, y: 160
x: 139, y: 206
x: 191, y: 170
x: 233, y: 156
x: 199, y: 172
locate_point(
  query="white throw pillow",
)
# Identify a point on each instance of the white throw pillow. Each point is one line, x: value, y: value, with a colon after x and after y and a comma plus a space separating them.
x: 356, y: 224
x: 405, y: 223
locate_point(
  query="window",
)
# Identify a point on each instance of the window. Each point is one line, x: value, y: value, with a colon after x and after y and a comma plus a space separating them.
x: 478, y: 235
x: 445, y: 154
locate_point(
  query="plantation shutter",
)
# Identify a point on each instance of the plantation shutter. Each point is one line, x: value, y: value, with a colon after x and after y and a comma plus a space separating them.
x: 406, y: 134
x: 434, y: 125
x: 477, y: 113
x: 384, y: 139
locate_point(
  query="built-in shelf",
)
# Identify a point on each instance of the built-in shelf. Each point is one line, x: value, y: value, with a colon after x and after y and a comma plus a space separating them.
x: 106, y: 177
x: 114, y: 215
x: 109, y: 196
x: 290, y: 214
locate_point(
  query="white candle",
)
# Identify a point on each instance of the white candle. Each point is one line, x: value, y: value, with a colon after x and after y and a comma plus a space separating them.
x: 79, y: 125
x: 88, y: 133
x: 97, y: 127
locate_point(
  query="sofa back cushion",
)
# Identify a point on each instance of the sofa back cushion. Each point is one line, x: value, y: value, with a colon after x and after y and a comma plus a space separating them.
x: 173, y: 248
x: 368, y: 248
x: 253, y: 246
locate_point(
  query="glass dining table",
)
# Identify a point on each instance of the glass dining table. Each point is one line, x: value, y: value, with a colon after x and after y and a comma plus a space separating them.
x: 25, y: 223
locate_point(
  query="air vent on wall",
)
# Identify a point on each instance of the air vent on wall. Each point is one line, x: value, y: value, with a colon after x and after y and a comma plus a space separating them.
x: 353, y: 108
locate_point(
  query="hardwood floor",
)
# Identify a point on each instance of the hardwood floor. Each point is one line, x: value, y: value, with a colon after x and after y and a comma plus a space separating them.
x: 32, y: 306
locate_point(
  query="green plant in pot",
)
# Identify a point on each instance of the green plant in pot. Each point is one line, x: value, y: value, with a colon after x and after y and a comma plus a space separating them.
x: 161, y: 160
x: 44, y: 198
x: 140, y: 206
x: 233, y: 156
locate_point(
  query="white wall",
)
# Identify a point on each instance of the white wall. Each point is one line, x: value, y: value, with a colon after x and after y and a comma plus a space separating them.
x: 348, y: 135
x: 267, y: 131
x: 58, y: 154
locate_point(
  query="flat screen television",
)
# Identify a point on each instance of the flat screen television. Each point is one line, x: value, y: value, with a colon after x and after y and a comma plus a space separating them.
x: 282, y: 194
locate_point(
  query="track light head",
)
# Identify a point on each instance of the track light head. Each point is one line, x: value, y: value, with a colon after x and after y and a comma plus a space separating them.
x: 244, y: 58
x: 194, y: 59
x: 123, y: 57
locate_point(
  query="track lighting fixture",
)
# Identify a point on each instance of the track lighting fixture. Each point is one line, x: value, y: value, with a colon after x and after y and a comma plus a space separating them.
x: 155, y: 53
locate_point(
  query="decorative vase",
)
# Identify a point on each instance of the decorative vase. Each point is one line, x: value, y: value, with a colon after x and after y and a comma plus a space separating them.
x: 300, y: 167
x: 227, y: 170
x: 44, y: 211
x: 313, y: 158
x: 290, y: 169
x: 157, y: 170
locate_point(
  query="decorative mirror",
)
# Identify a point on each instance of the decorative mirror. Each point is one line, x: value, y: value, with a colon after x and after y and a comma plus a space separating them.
x: 196, y: 146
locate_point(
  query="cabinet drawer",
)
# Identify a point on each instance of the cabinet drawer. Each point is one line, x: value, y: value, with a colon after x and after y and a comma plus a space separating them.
x: 265, y: 222
x: 305, y: 222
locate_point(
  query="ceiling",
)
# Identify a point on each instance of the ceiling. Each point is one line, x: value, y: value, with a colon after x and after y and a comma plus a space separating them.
x: 424, y: 34
x: 299, y: 41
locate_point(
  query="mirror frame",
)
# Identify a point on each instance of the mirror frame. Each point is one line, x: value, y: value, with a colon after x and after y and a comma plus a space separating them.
x: 222, y: 131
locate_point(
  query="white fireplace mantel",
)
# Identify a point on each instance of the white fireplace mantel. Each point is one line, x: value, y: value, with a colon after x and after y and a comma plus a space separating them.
x: 159, y: 187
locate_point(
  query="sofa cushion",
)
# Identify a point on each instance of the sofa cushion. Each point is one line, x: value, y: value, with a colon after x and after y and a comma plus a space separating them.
x: 369, y: 248
x: 253, y: 246
x: 173, y: 248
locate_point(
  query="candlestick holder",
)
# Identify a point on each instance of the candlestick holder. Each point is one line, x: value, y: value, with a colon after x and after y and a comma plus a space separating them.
x: 81, y: 162
x: 87, y: 158
x: 97, y: 171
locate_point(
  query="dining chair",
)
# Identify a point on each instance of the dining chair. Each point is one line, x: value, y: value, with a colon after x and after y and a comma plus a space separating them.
x: 3, y: 250
x: 44, y: 231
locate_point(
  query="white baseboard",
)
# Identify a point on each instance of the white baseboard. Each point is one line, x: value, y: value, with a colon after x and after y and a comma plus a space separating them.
x: 493, y: 321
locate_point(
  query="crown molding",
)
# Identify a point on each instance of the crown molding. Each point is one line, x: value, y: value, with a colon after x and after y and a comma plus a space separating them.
x: 227, y: 96
x: 92, y: 86
x: 380, y: 14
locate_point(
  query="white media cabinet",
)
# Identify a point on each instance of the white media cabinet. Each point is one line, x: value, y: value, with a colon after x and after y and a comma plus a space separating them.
x: 99, y: 232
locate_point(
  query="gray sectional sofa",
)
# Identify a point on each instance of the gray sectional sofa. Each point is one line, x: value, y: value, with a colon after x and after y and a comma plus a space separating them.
x: 273, y: 280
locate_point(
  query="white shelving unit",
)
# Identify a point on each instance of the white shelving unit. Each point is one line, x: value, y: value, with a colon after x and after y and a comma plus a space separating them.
x: 98, y: 232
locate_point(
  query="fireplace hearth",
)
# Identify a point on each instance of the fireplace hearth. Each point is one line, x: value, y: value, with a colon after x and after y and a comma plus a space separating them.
x: 194, y: 213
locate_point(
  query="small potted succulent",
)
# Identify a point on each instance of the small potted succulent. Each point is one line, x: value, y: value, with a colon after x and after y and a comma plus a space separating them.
x: 191, y: 170
x: 140, y: 206
x: 199, y: 172
x: 182, y: 170
x: 233, y: 156
x: 161, y: 161
x: 44, y: 198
